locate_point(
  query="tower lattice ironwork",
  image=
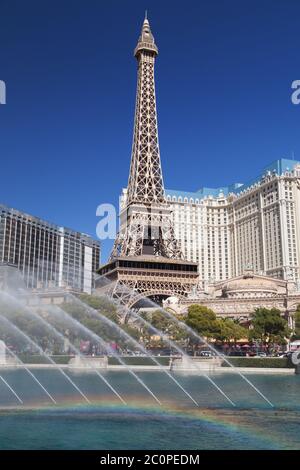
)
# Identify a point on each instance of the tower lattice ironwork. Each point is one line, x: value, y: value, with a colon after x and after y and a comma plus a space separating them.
x: 145, y: 178
x: 146, y: 257
x: 145, y: 221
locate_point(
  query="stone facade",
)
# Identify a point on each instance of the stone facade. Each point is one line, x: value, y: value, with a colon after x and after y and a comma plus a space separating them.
x: 238, y: 297
x: 255, y: 224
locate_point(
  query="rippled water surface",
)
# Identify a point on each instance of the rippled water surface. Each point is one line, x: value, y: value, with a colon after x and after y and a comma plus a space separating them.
x: 142, y: 424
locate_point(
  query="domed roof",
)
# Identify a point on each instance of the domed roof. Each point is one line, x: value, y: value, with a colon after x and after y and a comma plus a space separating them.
x: 251, y: 283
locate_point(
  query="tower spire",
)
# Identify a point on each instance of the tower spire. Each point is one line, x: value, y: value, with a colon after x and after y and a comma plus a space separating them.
x: 145, y: 182
x: 146, y: 40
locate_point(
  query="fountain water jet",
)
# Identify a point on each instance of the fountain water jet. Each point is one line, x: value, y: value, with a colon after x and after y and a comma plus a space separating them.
x: 12, y: 390
x: 123, y: 333
x: 6, y: 348
x: 38, y: 348
x: 103, y: 344
x: 180, y: 351
x: 31, y: 374
x: 94, y: 313
x: 131, y: 293
x: 62, y: 337
x: 200, y: 338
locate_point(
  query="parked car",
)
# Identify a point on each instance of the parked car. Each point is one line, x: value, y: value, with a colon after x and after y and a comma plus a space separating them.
x: 295, y: 345
x: 237, y: 353
x: 160, y: 352
x: 206, y: 354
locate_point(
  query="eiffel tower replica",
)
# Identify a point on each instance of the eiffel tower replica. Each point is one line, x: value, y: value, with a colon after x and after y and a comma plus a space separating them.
x: 146, y: 260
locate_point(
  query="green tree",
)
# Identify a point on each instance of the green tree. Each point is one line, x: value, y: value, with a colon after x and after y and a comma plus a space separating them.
x: 203, y: 320
x: 29, y: 325
x: 269, y: 327
x: 296, y: 334
x: 229, y: 330
x: 106, y: 331
x: 166, y: 326
x: 102, y: 304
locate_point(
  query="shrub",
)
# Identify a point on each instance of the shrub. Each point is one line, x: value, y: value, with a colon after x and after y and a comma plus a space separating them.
x: 140, y: 361
x: 38, y: 359
x: 272, y: 362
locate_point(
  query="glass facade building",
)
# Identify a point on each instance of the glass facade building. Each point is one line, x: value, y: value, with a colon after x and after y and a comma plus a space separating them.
x: 46, y: 254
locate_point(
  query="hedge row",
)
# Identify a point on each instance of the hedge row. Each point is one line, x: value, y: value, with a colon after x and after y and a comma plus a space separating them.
x: 140, y: 361
x: 64, y: 359
x: 37, y: 359
x: 272, y: 362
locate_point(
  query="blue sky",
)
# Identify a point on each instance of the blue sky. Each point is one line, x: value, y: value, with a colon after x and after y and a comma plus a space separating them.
x: 223, y: 83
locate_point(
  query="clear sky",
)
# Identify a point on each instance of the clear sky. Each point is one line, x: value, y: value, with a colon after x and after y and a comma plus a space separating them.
x: 223, y: 82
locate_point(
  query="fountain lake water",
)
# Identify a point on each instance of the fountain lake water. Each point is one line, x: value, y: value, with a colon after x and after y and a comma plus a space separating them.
x: 117, y: 407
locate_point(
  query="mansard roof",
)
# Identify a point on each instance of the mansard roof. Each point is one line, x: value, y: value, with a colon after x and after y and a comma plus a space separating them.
x: 278, y: 167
